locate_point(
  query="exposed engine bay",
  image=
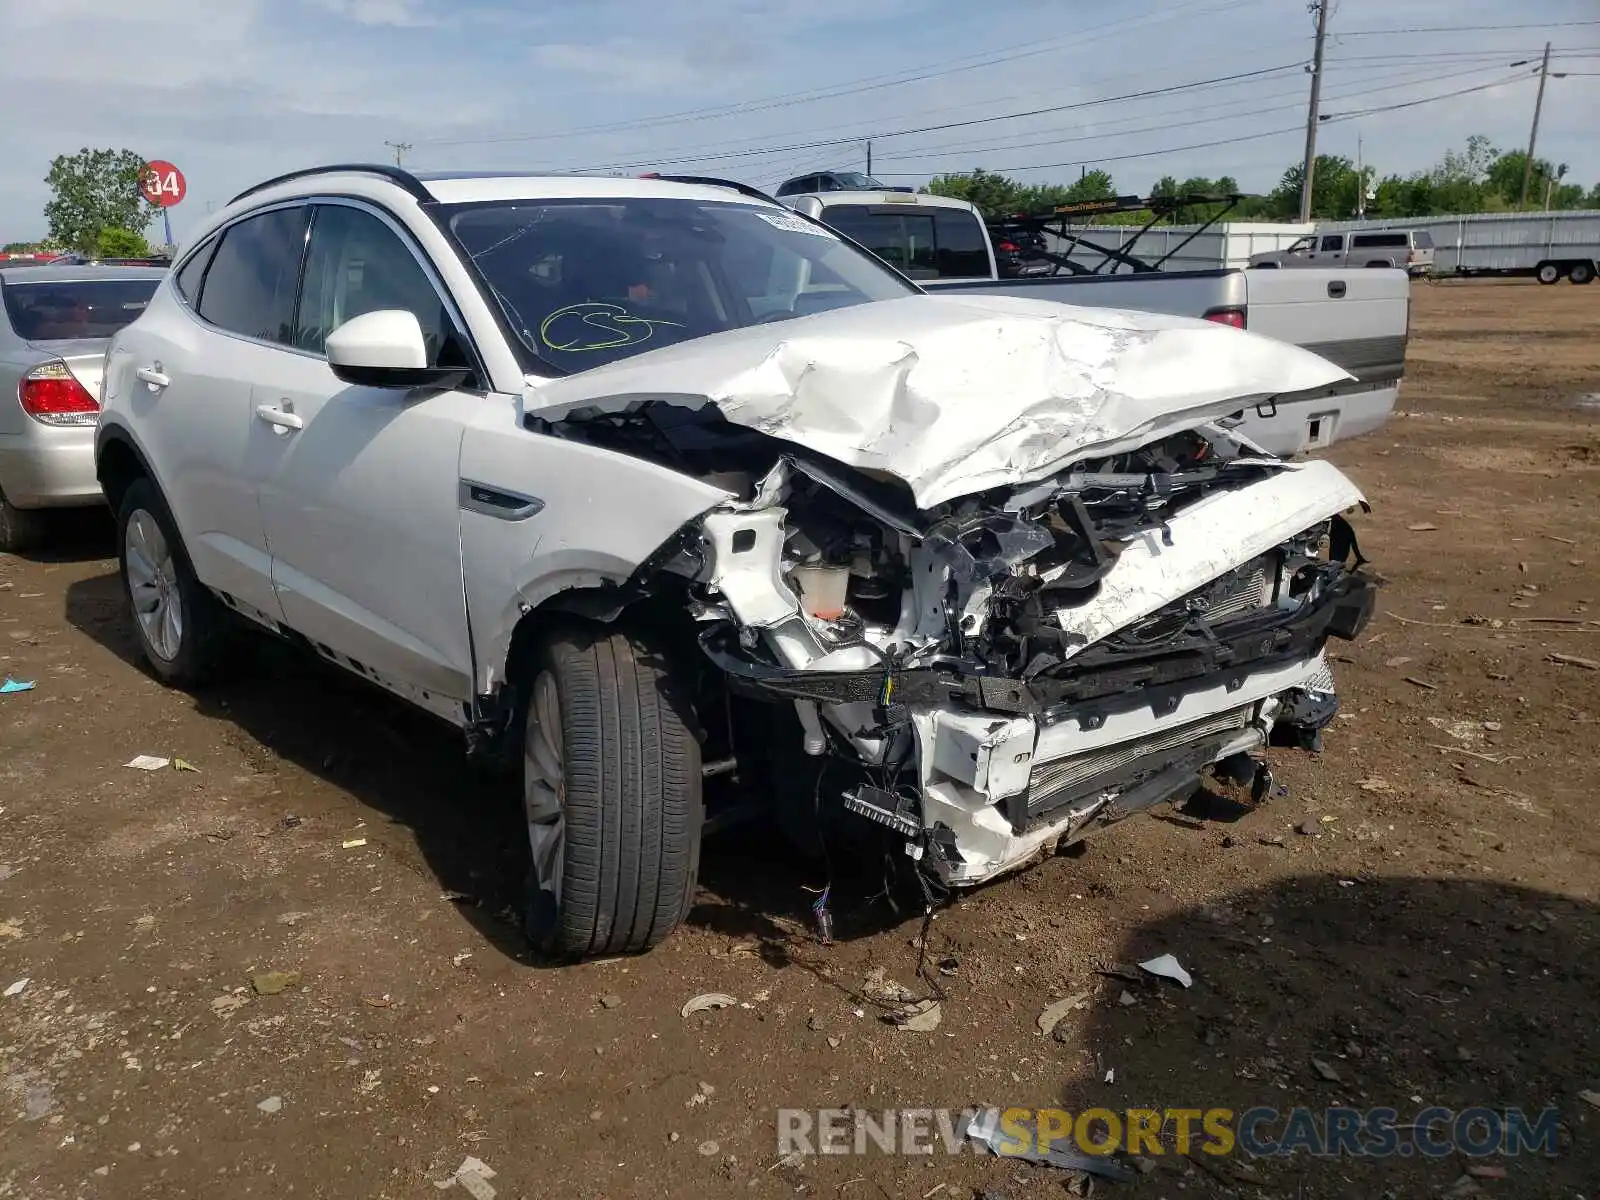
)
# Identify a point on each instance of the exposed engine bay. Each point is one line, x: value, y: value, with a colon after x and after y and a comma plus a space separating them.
x: 1006, y: 671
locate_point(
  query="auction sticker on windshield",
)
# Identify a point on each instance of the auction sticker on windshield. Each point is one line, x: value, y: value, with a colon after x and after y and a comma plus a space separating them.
x: 792, y: 224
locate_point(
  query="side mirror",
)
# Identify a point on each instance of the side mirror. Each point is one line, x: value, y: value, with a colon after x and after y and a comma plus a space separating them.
x: 385, y: 349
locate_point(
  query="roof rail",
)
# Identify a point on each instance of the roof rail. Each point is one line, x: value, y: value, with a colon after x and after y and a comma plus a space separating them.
x: 394, y: 175
x: 744, y: 189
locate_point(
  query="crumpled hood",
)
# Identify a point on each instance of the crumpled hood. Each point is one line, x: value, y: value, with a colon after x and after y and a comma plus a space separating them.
x: 957, y: 394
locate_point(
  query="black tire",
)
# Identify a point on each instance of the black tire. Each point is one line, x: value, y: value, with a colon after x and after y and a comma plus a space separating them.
x: 205, y: 637
x: 20, y: 528
x: 631, y: 802
x: 1547, y: 273
x: 1581, y: 273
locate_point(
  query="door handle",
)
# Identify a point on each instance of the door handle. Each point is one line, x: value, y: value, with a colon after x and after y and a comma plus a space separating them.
x: 279, y: 419
x: 153, y: 376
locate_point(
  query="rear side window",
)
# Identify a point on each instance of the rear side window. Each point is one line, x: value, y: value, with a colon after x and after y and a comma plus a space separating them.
x: 962, y: 248
x: 1422, y: 240
x: 1377, y: 241
x: 903, y: 238
x: 76, y: 308
x: 1333, y: 242
x: 250, y: 286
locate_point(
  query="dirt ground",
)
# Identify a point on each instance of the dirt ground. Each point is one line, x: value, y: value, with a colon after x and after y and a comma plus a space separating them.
x: 1417, y: 907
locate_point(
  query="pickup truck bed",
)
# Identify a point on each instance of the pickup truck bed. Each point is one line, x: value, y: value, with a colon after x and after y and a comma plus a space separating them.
x: 1358, y: 320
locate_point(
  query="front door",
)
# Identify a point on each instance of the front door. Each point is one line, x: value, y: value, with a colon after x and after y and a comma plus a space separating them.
x: 359, y: 485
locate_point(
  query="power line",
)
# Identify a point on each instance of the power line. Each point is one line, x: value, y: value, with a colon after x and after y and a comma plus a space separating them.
x: 817, y: 144
x: 1482, y: 87
x: 1254, y: 109
x: 1249, y: 137
x: 1461, y: 28
x: 869, y: 83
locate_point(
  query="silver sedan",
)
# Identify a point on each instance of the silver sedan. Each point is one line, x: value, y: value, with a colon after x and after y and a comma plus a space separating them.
x: 55, y: 323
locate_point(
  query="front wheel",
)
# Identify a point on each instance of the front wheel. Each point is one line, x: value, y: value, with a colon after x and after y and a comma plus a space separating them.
x: 611, y: 793
x: 1547, y: 273
x: 181, y: 627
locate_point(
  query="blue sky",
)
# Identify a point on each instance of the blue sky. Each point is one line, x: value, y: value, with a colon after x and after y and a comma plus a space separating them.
x: 234, y: 91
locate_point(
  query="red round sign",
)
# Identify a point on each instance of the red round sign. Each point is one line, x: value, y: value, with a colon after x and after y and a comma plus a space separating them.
x: 162, y: 183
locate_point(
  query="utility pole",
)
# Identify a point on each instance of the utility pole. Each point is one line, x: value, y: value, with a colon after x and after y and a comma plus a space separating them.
x: 399, y: 149
x: 1533, y: 135
x: 869, y: 156
x: 1361, y: 184
x: 1321, y: 9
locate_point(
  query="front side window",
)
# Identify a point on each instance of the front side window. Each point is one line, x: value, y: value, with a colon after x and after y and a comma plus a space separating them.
x: 356, y: 264
x: 75, y: 308
x: 587, y: 282
x: 250, y: 285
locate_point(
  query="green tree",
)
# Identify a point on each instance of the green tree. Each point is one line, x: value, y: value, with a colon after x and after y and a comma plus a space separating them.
x: 1092, y: 185
x: 18, y: 248
x: 123, y: 243
x: 95, y: 190
x: 994, y: 194
x: 1333, y: 190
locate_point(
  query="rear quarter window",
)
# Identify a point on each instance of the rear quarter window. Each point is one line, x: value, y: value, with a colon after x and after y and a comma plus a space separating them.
x: 1379, y: 241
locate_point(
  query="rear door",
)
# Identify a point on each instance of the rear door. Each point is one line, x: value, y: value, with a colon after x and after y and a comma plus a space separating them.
x: 187, y: 371
x: 360, y: 485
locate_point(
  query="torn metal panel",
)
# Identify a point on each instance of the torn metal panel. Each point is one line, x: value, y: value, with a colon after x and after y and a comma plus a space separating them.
x: 955, y: 395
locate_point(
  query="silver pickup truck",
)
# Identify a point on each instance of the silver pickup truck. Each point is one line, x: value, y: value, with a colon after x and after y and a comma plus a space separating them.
x: 1357, y: 320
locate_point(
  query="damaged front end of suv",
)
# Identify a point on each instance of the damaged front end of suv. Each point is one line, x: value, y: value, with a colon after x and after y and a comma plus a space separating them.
x: 1021, y: 606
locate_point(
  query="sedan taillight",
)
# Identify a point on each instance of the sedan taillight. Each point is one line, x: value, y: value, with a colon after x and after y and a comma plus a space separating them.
x: 51, y: 394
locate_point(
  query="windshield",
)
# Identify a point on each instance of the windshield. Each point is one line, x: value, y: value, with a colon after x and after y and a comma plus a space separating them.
x: 76, y: 308
x: 588, y: 282
x: 854, y: 181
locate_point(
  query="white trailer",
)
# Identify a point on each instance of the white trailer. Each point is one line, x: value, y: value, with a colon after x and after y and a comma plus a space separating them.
x: 1547, y: 245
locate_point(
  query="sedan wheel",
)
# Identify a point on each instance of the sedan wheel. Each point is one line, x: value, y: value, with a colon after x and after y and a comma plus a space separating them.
x: 153, y: 585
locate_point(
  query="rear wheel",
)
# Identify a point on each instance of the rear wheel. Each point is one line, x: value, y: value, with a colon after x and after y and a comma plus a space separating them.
x: 1547, y: 272
x: 20, y: 528
x: 182, y: 628
x: 611, y: 793
x: 1582, y: 273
